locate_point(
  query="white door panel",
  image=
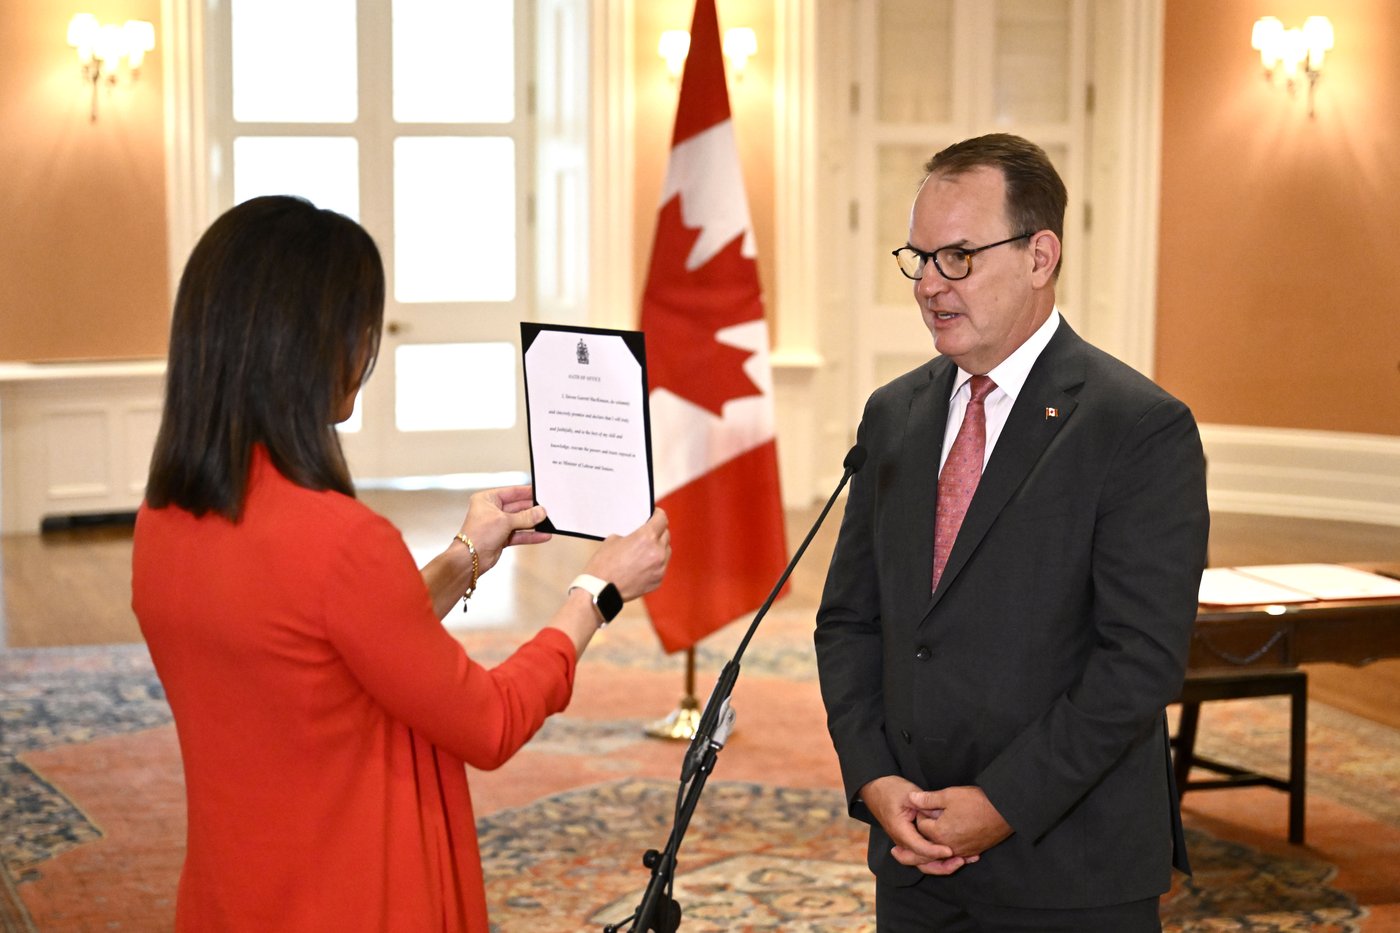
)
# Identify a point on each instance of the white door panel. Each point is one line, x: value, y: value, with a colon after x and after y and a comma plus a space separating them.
x: 929, y: 73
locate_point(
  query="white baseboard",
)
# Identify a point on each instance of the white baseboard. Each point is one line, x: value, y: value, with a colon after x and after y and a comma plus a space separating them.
x: 1303, y: 474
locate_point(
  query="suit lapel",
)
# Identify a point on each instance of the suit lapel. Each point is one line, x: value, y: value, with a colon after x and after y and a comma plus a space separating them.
x: 911, y: 516
x: 1029, y: 430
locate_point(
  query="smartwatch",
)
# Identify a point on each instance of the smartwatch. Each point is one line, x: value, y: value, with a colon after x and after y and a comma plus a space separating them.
x: 607, y: 601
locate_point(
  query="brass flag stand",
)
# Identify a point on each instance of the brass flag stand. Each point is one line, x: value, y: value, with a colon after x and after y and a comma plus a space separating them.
x: 685, y: 718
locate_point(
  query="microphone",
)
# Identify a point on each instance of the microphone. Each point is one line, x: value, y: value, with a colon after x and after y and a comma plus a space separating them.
x: 718, y: 705
x: 855, y: 459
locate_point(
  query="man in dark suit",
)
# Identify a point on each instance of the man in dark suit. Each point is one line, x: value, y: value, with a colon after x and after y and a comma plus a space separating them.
x: 995, y: 681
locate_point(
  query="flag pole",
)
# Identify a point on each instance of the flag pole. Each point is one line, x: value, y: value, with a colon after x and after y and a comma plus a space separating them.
x: 682, y: 721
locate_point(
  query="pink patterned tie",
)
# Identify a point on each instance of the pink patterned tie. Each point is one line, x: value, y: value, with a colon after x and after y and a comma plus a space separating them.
x: 961, y: 471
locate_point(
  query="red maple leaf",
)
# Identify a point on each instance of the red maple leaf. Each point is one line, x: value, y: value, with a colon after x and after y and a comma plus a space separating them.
x: 682, y: 310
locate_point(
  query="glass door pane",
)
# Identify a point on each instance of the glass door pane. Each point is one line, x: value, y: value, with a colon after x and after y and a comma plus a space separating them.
x: 897, y: 181
x: 431, y: 386
x: 454, y: 62
x: 454, y: 219
x: 324, y: 170
x: 294, y: 62
x: 914, y: 61
x: 1032, y: 61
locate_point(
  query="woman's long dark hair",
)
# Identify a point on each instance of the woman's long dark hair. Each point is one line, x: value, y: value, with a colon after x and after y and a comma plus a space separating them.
x: 276, y: 320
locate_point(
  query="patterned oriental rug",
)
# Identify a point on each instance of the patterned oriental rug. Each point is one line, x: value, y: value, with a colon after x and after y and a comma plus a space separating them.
x: 92, y: 807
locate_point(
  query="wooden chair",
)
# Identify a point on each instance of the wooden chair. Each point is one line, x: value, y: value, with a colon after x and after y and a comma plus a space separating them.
x: 1204, y: 686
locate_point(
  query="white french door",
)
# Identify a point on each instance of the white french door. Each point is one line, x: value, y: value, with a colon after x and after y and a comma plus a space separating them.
x: 414, y: 118
x: 929, y: 73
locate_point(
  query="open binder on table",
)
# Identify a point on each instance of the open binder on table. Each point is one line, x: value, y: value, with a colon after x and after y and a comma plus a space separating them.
x: 1269, y: 584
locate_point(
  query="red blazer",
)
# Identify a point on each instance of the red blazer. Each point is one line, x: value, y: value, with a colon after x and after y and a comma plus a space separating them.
x: 324, y: 715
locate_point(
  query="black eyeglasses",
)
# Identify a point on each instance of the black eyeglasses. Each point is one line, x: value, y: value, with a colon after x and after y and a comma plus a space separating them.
x: 952, y: 262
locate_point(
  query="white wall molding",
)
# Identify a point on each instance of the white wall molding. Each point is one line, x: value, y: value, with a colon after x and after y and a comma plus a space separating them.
x: 1120, y: 313
x: 800, y: 471
x: 75, y: 438
x: 611, y: 165
x: 186, y: 146
x: 795, y: 180
x: 1303, y: 474
x: 793, y: 306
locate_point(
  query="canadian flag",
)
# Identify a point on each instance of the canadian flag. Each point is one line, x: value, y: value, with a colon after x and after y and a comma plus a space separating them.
x: 713, y: 448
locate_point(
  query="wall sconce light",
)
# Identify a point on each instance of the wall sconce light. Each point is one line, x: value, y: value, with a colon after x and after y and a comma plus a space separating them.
x: 1293, y: 49
x: 673, y: 48
x: 740, y: 44
x: 101, y: 49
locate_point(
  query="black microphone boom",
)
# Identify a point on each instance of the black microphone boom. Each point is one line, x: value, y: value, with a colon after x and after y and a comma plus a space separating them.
x: 658, y: 911
x: 855, y: 459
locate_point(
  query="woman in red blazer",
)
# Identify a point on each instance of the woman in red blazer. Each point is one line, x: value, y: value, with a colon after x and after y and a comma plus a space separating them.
x: 324, y: 713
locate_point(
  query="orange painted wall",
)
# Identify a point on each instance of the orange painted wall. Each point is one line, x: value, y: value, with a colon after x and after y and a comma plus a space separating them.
x: 751, y: 104
x: 83, y: 270
x: 1279, y: 287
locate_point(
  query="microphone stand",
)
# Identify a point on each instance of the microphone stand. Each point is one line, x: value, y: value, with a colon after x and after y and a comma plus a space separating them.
x: 658, y: 911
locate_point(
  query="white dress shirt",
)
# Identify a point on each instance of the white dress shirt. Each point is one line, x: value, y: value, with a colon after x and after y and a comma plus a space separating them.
x: 1010, y: 376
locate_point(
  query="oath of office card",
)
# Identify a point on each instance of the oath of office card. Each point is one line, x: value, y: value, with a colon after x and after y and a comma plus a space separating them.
x: 589, y: 427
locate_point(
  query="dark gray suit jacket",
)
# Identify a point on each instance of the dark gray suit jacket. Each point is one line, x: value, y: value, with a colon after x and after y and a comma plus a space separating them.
x: 1040, y: 668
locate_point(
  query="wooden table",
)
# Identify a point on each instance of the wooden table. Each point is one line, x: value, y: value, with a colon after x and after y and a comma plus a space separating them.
x: 1342, y: 631
x: 1356, y: 631
x: 1251, y: 651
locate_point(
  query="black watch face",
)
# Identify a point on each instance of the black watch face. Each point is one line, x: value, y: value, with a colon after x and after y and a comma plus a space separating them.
x: 609, y: 602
